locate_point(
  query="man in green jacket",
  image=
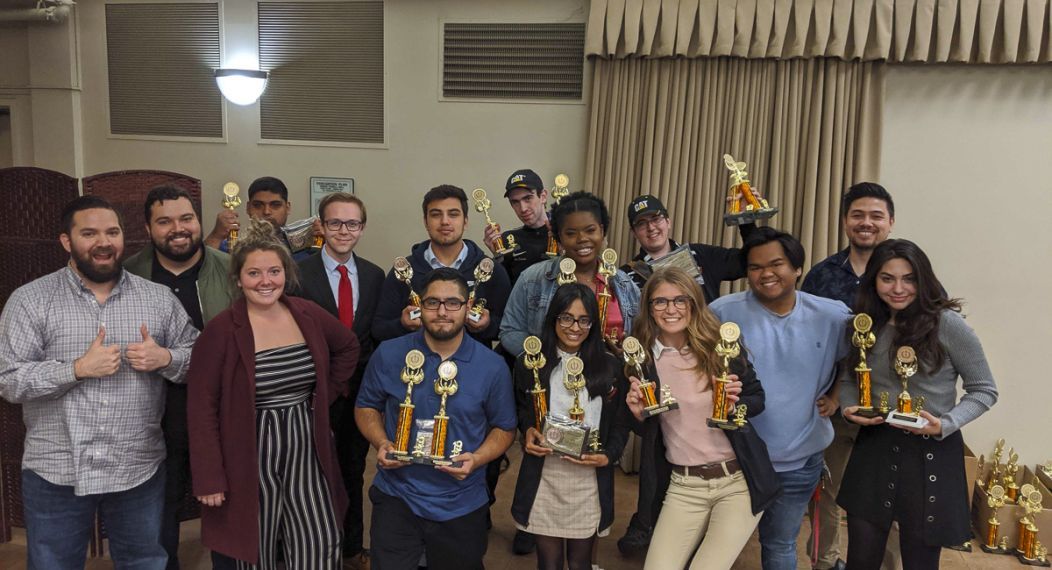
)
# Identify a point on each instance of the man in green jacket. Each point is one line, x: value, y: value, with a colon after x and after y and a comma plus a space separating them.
x: 197, y: 276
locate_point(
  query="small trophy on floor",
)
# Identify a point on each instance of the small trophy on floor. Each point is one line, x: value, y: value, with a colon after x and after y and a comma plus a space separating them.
x: 404, y: 272
x: 534, y: 361
x: 904, y: 415
x: 483, y: 271
x: 744, y: 203
x: 635, y: 355
x: 482, y: 206
x: 995, y: 499
x: 727, y: 349
x: 864, y: 339
x: 412, y: 374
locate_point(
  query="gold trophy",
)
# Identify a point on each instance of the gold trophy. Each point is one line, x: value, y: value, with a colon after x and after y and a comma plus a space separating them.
x: 1011, y: 487
x: 607, y: 268
x: 567, y: 267
x: 560, y: 191
x: 995, y: 471
x: 483, y: 271
x: 727, y: 348
x: 744, y: 203
x: 445, y: 386
x: 412, y: 374
x: 404, y: 272
x: 864, y: 339
x: 574, y: 381
x: 635, y: 355
x: 569, y: 436
x: 1029, y: 550
x: 534, y: 361
x: 231, y: 200
x: 904, y: 415
x: 995, y: 499
x: 482, y: 205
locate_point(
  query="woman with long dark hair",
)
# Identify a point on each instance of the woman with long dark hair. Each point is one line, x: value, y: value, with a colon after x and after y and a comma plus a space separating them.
x: 911, y: 475
x: 567, y: 503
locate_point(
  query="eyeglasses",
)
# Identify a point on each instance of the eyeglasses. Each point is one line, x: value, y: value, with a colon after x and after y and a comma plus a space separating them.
x: 566, y: 321
x: 648, y: 221
x: 334, y: 225
x: 451, y: 304
x: 661, y: 303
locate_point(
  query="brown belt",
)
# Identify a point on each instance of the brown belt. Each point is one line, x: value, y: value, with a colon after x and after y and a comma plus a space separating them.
x: 710, y: 470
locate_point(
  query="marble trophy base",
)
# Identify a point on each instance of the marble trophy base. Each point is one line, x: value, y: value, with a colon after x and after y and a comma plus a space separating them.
x: 906, y: 420
x: 748, y: 217
x: 659, y: 409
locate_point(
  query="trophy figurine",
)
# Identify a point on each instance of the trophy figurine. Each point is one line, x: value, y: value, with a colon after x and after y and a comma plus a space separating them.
x: 607, y: 268
x: 574, y: 381
x: 995, y: 499
x: 535, y: 361
x: 1011, y: 487
x: 404, y: 272
x: 412, y: 374
x: 482, y: 206
x: 445, y: 386
x: 864, y: 339
x: 567, y: 267
x: 995, y: 471
x: 560, y: 191
x: 483, y: 271
x: 904, y: 415
x: 744, y: 203
x: 594, y: 445
x: 884, y: 406
x: 569, y: 435
x: 231, y: 200
x: 727, y: 348
x: 635, y: 355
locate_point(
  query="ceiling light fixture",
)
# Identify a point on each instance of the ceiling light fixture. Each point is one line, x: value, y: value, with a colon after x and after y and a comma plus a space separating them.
x: 241, y: 86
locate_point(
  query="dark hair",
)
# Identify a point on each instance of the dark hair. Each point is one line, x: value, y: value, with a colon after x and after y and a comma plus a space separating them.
x: 866, y: 190
x: 86, y: 203
x: 580, y: 202
x: 597, y: 371
x: 918, y: 324
x: 340, y: 197
x: 445, y: 274
x: 794, y: 250
x: 261, y: 235
x: 268, y: 184
x: 444, y: 191
x: 166, y: 192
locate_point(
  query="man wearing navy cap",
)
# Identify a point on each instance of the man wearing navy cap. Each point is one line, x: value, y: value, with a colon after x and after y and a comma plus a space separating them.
x: 527, y: 196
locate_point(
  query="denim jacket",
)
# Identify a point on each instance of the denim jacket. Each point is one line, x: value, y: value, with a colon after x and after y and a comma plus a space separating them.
x: 533, y: 292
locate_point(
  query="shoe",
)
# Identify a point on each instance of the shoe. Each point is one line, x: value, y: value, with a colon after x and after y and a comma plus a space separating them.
x: 524, y: 543
x: 358, y: 561
x: 838, y: 565
x: 635, y: 542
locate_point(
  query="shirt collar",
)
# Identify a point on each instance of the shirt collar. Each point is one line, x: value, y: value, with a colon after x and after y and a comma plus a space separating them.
x: 659, y: 349
x: 331, y: 264
x: 432, y: 259
x: 78, y: 286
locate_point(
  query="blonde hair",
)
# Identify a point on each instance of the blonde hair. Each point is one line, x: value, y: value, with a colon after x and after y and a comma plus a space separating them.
x: 261, y: 235
x: 703, y: 328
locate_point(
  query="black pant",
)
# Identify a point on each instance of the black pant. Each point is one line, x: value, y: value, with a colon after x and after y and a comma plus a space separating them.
x: 177, y: 470
x: 398, y: 537
x: 351, y: 450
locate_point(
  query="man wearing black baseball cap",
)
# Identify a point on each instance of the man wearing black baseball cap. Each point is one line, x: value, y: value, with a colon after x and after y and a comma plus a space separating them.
x: 527, y: 196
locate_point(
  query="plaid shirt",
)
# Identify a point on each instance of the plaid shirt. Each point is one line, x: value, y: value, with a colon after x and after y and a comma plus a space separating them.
x: 99, y: 435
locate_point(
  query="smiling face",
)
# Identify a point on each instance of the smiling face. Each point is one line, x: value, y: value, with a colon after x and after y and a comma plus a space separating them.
x: 867, y: 223
x: 341, y: 242
x: 581, y: 236
x: 672, y: 320
x: 529, y: 206
x: 571, y: 339
x: 445, y: 221
x: 174, y: 229
x: 651, y: 230
x: 262, y: 278
x: 443, y: 323
x: 772, y: 277
x: 896, y: 284
x: 95, y: 243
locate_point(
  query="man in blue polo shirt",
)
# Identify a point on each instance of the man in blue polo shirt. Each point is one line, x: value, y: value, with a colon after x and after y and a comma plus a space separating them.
x: 418, y: 509
x: 794, y: 340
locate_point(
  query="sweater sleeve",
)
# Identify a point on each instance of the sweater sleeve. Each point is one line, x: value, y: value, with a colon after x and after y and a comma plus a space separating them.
x: 966, y: 354
x: 387, y: 322
x: 514, y: 323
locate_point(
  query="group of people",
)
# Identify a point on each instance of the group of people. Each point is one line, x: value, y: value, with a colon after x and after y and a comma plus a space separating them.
x: 257, y: 378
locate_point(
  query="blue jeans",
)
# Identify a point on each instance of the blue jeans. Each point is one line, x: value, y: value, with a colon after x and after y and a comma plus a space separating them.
x: 59, y: 524
x: 781, y: 522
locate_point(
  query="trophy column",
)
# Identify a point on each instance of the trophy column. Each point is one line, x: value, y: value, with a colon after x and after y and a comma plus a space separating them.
x: 607, y: 268
x: 635, y: 356
x: 574, y: 381
x: 864, y: 339
x: 744, y: 204
x: 483, y: 271
x: 231, y: 200
x: 995, y: 499
x: 482, y: 206
x: 404, y: 272
x: 535, y: 361
x: 560, y: 191
x: 727, y: 349
x: 905, y: 367
x: 412, y: 375
x: 445, y: 386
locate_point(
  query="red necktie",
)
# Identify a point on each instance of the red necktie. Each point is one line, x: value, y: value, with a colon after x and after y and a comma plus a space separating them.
x: 345, y: 302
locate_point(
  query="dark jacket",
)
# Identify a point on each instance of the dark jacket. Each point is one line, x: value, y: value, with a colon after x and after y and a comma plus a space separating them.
x: 614, y: 426
x: 750, y: 450
x: 222, y: 418
x: 213, y: 282
x: 387, y: 323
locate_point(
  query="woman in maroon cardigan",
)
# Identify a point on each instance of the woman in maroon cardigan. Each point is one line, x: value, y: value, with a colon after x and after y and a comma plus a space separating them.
x: 262, y: 376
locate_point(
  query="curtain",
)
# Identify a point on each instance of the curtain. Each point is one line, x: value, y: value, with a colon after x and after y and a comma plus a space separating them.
x: 965, y: 31
x: 807, y: 128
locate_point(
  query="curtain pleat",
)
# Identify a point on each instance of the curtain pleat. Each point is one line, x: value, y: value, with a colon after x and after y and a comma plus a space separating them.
x: 936, y: 31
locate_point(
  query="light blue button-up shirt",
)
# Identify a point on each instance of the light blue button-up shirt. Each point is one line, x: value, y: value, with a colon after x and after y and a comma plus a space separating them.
x: 432, y: 259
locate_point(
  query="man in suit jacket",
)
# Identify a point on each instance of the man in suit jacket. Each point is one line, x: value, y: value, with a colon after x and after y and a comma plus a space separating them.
x: 347, y: 286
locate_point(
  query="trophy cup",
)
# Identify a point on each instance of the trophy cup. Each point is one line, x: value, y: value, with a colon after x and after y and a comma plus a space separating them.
x: 404, y: 272
x: 483, y: 271
x: 567, y: 267
x: 231, y: 200
x: 607, y: 268
x: 535, y: 361
x: 445, y: 386
x: 482, y: 205
x: 561, y: 189
x: 904, y: 415
x: 635, y: 355
x: 744, y: 203
x: 995, y: 499
x: 863, y: 339
x: 412, y: 374
x: 569, y: 436
x: 727, y: 348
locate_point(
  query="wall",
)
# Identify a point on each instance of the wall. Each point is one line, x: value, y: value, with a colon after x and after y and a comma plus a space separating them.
x: 966, y: 156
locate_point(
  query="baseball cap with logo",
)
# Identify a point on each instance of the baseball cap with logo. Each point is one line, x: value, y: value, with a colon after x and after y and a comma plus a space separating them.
x: 526, y: 179
x: 642, y: 205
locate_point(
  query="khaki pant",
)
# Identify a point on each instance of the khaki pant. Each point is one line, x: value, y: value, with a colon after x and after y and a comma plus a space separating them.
x: 713, y: 513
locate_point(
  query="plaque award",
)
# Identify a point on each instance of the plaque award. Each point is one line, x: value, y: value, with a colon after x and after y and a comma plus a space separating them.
x: 744, y: 203
x: 404, y: 272
x: 534, y: 361
x: 231, y: 200
x: 483, y: 271
x: 412, y: 374
x: 567, y: 267
x: 482, y: 206
x: 727, y: 349
x: 635, y: 355
x: 864, y: 339
x: 904, y: 414
x: 300, y: 234
x: 995, y: 499
x: 683, y: 258
x: 445, y: 386
x: 607, y: 268
x: 565, y: 436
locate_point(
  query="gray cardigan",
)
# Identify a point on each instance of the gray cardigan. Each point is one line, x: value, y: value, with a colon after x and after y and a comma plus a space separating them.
x: 964, y: 359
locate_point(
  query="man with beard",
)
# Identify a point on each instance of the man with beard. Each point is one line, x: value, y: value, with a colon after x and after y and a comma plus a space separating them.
x: 197, y: 275
x: 86, y: 350
x: 420, y: 509
x: 868, y: 214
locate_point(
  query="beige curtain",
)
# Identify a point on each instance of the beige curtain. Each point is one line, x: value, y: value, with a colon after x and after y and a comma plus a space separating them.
x: 808, y: 129
x: 970, y: 31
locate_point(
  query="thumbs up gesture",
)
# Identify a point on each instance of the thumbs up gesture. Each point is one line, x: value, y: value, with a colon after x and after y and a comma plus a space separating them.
x: 147, y: 356
x: 98, y: 360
